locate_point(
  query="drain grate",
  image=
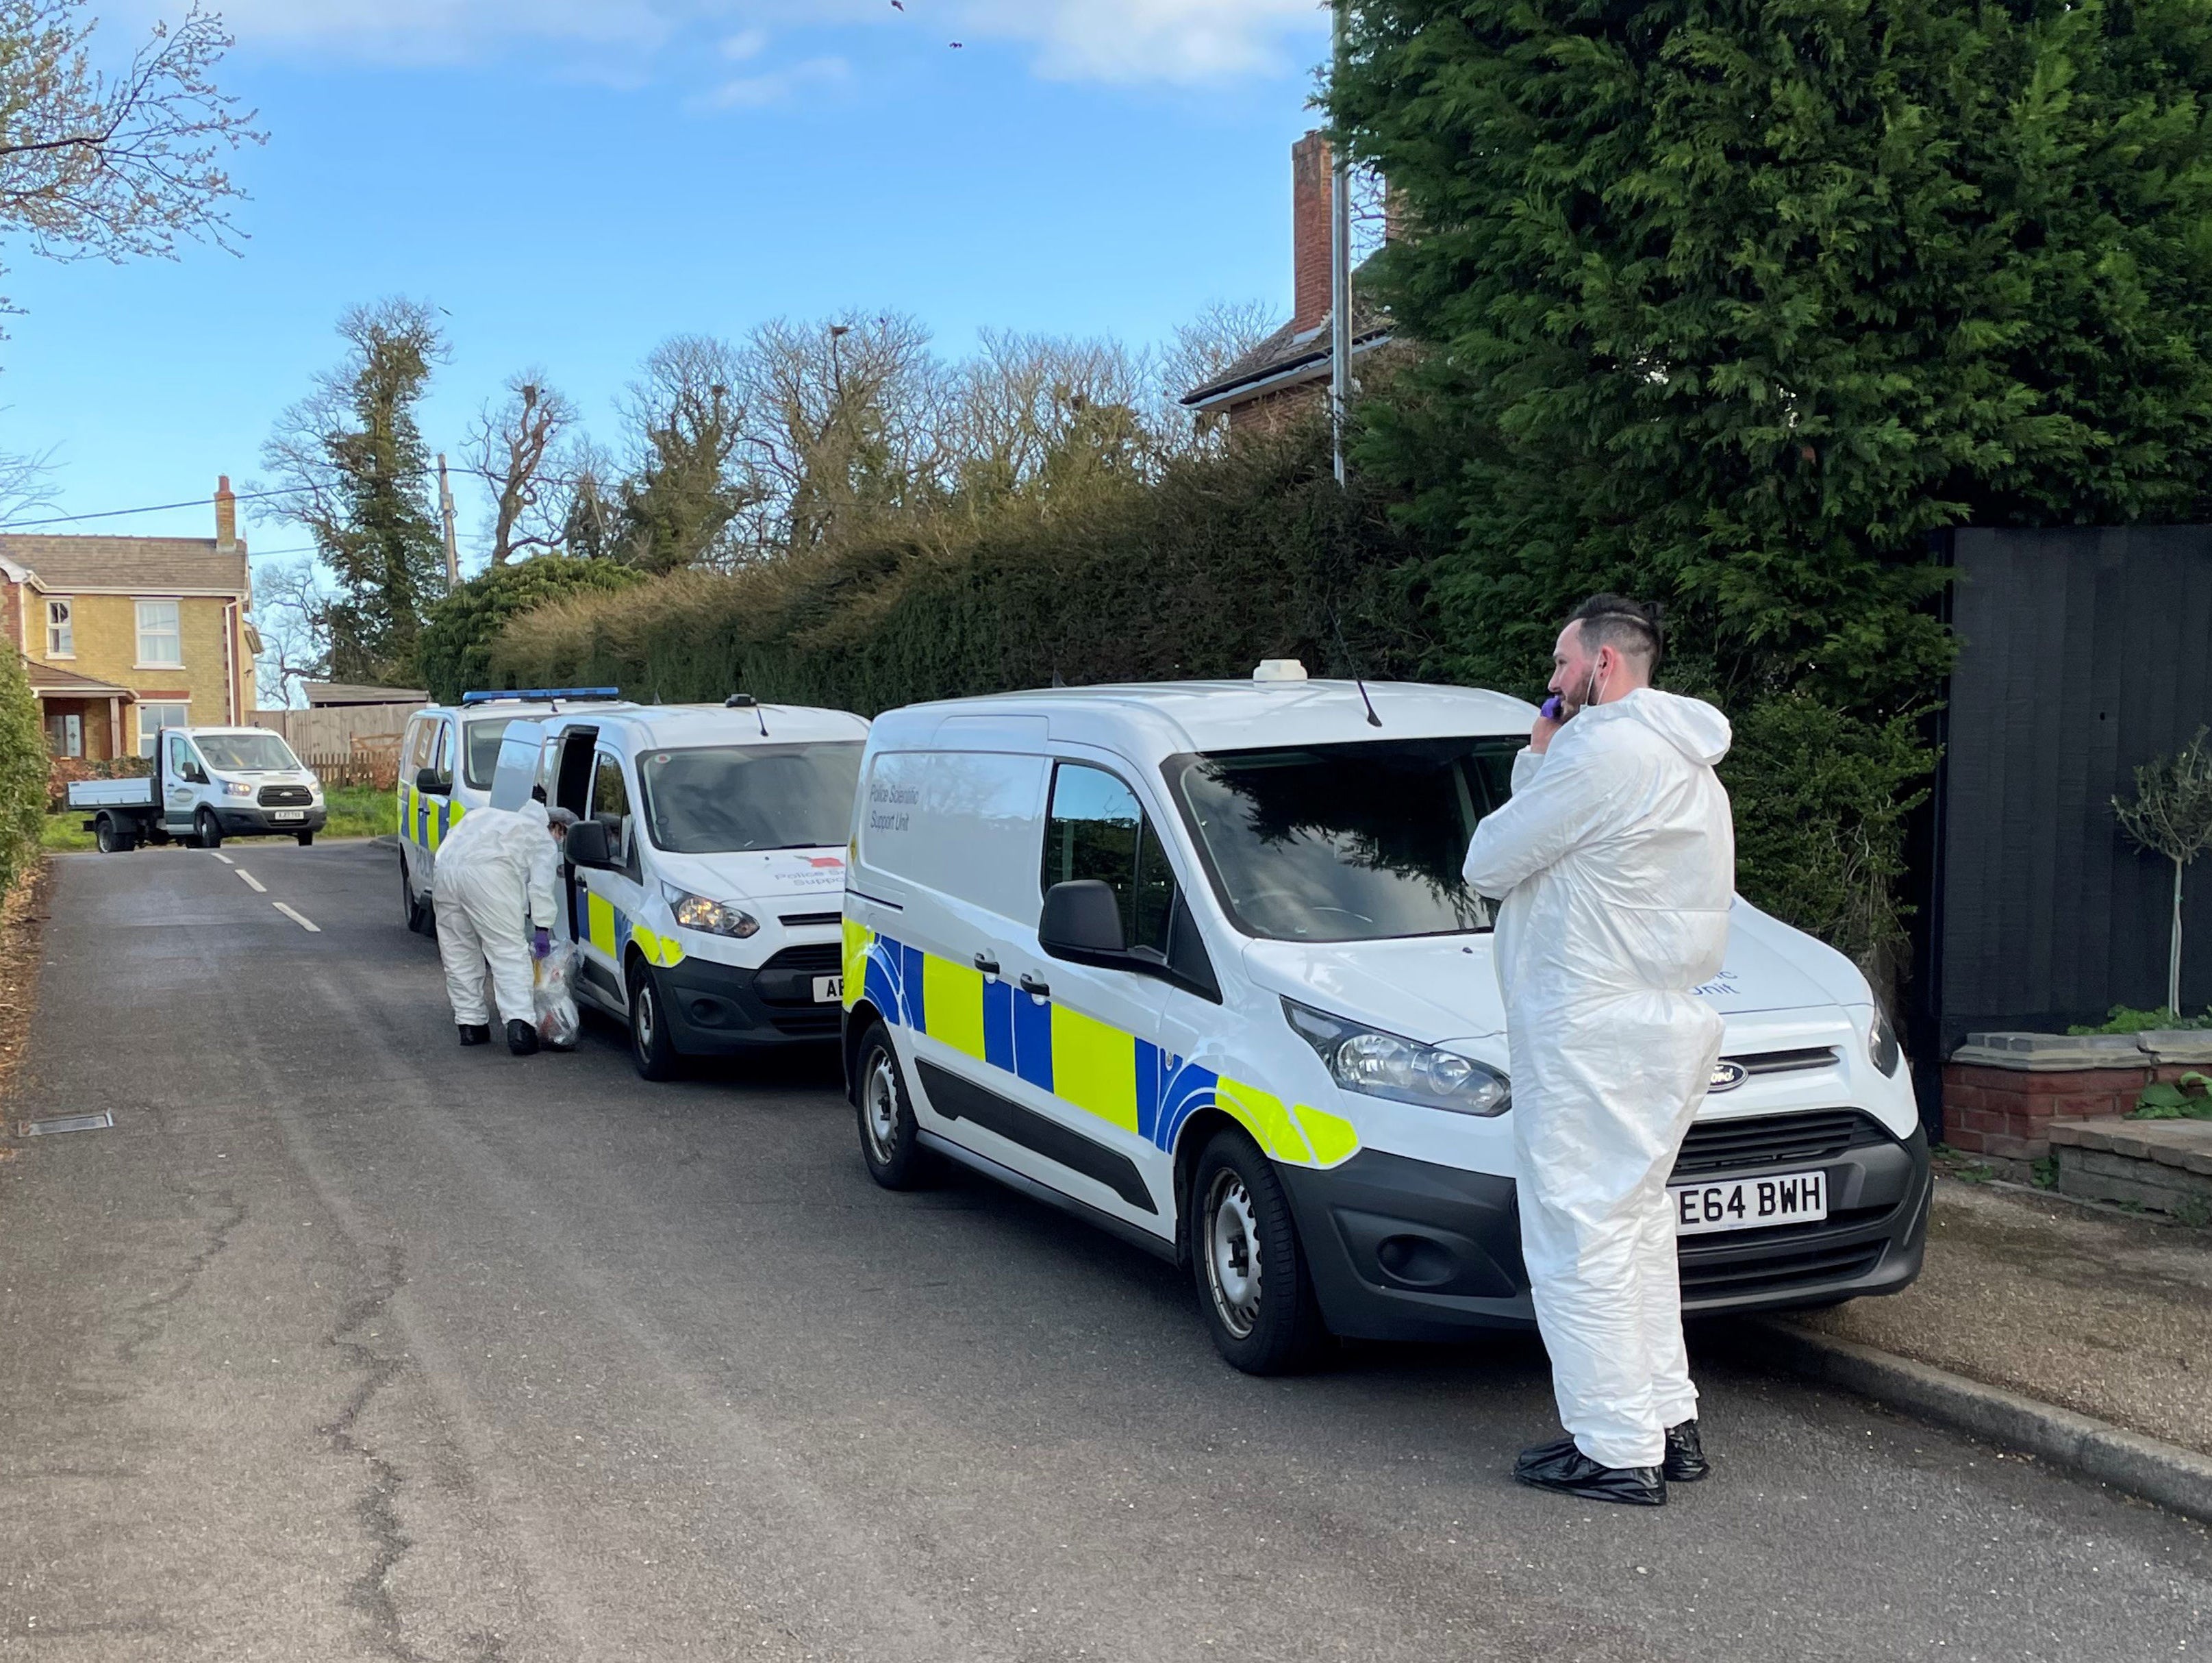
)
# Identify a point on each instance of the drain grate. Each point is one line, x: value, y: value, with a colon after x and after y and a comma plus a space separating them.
x: 68, y: 1123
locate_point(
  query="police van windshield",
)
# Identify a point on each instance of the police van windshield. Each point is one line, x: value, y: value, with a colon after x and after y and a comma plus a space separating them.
x: 246, y: 754
x: 718, y: 799
x: 1345, y: 842
x: 480, y: 751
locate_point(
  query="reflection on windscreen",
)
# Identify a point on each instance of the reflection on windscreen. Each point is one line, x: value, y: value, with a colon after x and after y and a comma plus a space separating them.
x: 481, y: 760
x: 246, y: 754
x: 1346, y: 843
x: 722, y: 798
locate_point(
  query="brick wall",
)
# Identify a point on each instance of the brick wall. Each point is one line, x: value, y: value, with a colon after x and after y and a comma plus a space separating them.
x: 2007, y: 1111
x: 105, y: 630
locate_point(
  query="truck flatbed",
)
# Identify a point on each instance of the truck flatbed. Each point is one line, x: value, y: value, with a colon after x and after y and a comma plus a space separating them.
x: 137, y: 793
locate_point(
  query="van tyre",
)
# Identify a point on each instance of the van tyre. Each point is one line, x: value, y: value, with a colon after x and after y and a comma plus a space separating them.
x: 207, y: 830
x: 891, y: 1142
x: 418, y: 911
x: 307, y: 838
x: 111, y: 838
x: 1253, y: 1287
x: 652, y: 1046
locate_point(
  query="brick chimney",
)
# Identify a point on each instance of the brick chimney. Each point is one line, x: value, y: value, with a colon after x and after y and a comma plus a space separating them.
x: 226, y: 516
x: 1312, y: 188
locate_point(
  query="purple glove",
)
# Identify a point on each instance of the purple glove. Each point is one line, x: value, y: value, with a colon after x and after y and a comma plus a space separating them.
x: 541, y: 945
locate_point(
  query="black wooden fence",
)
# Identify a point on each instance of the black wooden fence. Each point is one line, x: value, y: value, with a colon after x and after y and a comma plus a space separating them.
x: 2083, y: 652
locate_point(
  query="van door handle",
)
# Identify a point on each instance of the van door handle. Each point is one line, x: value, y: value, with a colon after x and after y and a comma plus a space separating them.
x: 986, y: 964
x: 1034, y: 986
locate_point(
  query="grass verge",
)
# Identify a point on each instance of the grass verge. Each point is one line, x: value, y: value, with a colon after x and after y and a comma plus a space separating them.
x: 355, y: 811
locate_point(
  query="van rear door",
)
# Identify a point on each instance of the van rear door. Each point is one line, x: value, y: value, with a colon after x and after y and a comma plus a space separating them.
x: 514, y: 775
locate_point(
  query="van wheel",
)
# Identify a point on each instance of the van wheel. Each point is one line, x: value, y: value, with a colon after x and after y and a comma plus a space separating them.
x: 652, y: 1046
x: 1253, y: 1284
x: 418, y: 909
x: 307, y: 838
x: 208, y: 829
x: 890, y: 1142
x: 111, y: 839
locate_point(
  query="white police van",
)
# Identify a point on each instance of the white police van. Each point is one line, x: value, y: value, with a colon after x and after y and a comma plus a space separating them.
x: 706, y: 872
x: 1195, y: 961
x: 446, y: 758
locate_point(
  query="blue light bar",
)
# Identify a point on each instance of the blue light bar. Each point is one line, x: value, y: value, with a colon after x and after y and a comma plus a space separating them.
x: 543, y: 695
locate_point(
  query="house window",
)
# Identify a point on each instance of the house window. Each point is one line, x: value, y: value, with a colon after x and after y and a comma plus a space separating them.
x: 152, y: 718
x: 61, y: 633
x: 160, y: 637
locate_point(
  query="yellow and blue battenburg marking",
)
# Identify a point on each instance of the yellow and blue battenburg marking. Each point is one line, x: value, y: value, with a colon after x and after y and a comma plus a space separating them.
x: 1119, y: 1077
x: 607, y: 927
x: 427, y: 821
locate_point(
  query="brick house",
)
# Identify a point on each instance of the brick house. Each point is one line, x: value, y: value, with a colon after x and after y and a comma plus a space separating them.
x: 1288, y: 373
x: 123, y: 636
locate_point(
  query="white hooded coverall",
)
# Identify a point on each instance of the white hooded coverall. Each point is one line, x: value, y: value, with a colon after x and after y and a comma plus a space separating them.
x: 1615, y: 861
x: 497, y: 874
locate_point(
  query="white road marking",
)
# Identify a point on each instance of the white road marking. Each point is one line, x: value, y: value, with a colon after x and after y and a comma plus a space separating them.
x: 226, y: 860
x: 300, y: 919
x: 250, y: 881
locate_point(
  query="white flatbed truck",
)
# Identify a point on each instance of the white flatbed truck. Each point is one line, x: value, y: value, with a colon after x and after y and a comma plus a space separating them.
x: 207, y: 783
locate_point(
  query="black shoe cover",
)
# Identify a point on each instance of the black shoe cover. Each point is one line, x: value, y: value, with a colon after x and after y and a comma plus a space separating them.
x: 1564, y: 1467
x: 521, y: 1038
x: 475, y: 1034
x: 1686, y: 1456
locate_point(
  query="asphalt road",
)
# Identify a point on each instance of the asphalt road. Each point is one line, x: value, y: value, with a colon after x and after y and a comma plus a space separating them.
x: 347, y: 1343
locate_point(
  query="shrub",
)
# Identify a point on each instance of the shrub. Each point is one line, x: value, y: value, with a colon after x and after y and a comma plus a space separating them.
x: 22, y: 771
x: 454, y: 652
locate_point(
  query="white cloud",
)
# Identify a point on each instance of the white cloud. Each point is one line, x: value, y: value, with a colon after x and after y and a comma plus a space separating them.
x: 1182, y: 42
x: 754, y: 92
x: 745, y: 44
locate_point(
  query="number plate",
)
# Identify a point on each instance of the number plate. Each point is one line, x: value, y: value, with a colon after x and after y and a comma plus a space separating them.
x: 1749, y: 1204
x: 829, y: 990
x: 288, y: 814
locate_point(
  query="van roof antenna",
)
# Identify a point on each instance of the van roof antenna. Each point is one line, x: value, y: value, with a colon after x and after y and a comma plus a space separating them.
x: 747, y: 702
x: 1358, y: 681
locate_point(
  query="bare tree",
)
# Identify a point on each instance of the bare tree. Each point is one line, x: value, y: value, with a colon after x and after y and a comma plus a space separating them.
x: 842, y: 422
x: 1199, y: 351
x: 291, y: 612
x: 683, y: 490
x: 591, y: 504
x: 515, y: 447
x: 107, y: 168
x: 1031, y: 412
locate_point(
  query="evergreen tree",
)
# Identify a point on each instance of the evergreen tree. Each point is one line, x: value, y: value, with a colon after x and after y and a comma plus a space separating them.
x: 1730, y: 304
x: 355, y: 462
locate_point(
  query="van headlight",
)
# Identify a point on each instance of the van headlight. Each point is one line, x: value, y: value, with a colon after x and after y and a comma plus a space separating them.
x: 1376, y: 1065
x: 237, y: 789
x: 709, y: 917
x: 1881, y: 1044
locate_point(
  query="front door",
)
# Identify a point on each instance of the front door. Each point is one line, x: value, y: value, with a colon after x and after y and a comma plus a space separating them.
x: 179, y: 796
x: 609, y: 900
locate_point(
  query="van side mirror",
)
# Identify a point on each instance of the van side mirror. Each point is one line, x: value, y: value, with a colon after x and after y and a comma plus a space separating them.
x: 1082, y: 924
x: 432, y: 784
x: 587, y: 846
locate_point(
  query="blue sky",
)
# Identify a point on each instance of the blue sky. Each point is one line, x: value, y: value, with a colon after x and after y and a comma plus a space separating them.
x: 574, y: 179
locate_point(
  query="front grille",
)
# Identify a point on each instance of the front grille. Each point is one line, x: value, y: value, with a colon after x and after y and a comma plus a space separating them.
x: 1775, y: 1140
x: 806, y: 920
x: 285, y: 796
x: 1772, y: 1272
x: 819, y: 1023
x: 1785, y: 1062
x: 819, y: 958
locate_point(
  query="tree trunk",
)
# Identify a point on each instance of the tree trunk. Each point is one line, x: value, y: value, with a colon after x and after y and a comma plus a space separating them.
x: 2173, y: 953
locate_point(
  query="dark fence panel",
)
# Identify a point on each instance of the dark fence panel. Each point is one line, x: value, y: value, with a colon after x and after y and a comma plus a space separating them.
x: 2083, y: 654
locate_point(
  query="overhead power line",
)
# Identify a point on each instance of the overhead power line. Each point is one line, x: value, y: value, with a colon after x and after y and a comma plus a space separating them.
x: 151, y: 508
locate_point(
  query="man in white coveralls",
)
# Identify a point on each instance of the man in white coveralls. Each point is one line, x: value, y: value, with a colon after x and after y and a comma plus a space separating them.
x: 1616, y: 864
x: 496, y: 888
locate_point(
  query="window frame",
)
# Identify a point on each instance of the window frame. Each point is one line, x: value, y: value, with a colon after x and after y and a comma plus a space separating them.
x: 147, y: 736
x: 67, y: 628
x: 139, y: 603
x: 627, y: 836
x: 1189, y: 968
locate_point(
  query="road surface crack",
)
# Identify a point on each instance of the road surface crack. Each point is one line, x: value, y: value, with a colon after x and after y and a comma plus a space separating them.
x: 150, y: 1316
x: 378, y: 1509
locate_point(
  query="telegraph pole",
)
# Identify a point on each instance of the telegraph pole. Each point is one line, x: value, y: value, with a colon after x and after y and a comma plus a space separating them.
x: 1339, y: 265
x: 445, y: 513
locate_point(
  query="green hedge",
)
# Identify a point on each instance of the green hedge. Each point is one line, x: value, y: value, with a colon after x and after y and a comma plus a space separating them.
x: 1220, y: 564
x: 453, y: 654
x: 23, y: 765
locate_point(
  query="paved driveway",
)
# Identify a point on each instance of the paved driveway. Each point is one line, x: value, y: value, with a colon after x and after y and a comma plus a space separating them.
x: 345, y: 1342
